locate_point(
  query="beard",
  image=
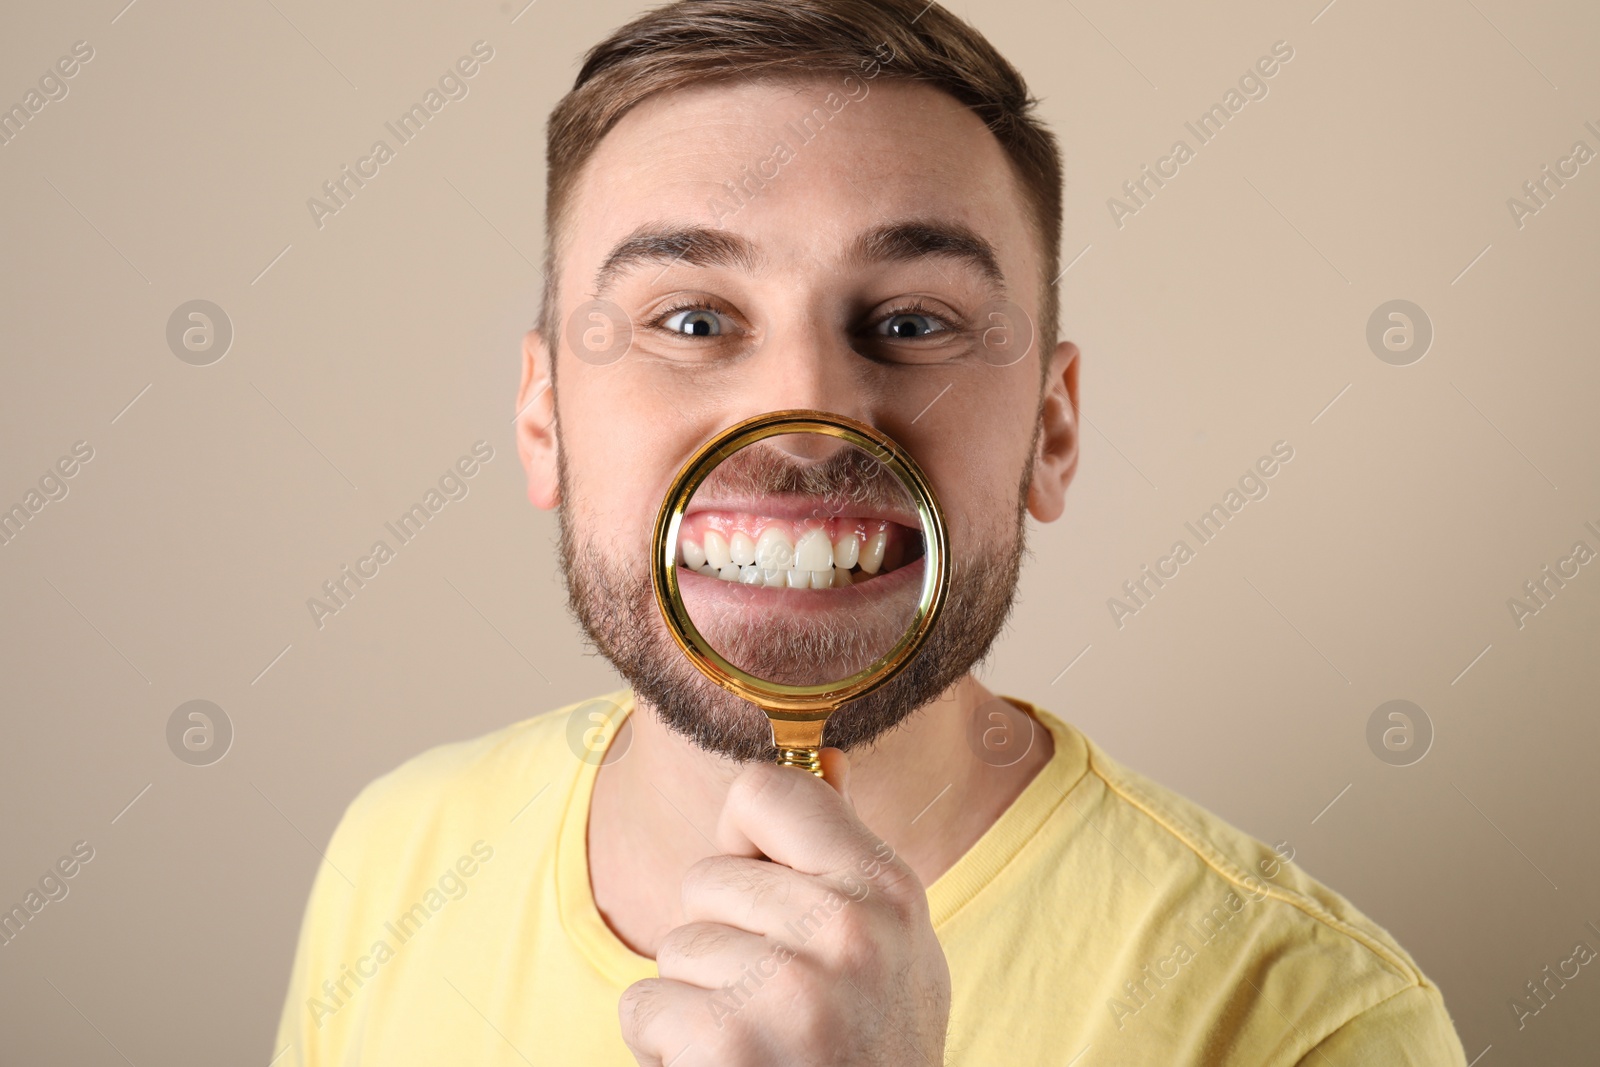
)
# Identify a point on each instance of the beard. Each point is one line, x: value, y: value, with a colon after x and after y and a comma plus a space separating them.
x: 614, y: 601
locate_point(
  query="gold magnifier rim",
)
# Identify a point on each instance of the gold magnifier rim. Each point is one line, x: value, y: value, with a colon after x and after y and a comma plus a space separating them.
x: 780, y: 700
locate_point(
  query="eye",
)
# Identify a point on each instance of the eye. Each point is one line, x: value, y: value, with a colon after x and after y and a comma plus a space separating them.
x: 691, y: 322
x: 910, y: 323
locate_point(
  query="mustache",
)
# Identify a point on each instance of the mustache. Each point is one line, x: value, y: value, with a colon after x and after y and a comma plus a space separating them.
x: 851, y: 475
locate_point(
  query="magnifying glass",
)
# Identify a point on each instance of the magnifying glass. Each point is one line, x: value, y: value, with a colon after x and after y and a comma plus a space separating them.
x: 800, y: 560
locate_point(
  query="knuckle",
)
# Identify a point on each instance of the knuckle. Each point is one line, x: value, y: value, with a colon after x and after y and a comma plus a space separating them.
x: 705, y: 877
x: 857, y: 945
x: 735, y: 1043
x: 639, y: 1004
x: 670, y: 951
x: 851, y: 923
x: 692, y: 941
x: 731, y: 874
x: 809, y: 1020
x: 704, y: 874
x: 900, y: 885
x: 821, y: 917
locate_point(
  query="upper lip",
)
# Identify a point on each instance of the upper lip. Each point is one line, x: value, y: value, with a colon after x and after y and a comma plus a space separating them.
x: 797, y: 508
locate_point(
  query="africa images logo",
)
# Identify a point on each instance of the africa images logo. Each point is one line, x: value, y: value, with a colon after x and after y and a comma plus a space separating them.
x: 453, y: 85
x: 453, y: 484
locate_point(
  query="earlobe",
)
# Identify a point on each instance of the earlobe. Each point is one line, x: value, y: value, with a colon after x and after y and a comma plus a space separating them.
x: 537, y: 443
x: 1056, y: 460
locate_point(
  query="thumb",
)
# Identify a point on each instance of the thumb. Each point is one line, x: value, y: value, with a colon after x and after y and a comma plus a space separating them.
x: 836, y: 772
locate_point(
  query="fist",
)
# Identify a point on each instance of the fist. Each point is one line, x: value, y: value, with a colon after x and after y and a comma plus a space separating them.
x: 808, y: 942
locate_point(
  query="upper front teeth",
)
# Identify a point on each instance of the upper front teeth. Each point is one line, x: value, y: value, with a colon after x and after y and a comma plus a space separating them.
x: 694, y: 557
x: 815, y: 561
x: 774, y: 551
x: 845, y: 553
x: 815, y: 551
x: 717, y: 550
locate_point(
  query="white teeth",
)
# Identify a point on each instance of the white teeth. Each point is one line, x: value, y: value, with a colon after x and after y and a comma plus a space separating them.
x: 694, y: 557
x: 774, y: 550
x: 717, y: 550
x: 872, y: 552
x: 847, y: 551
x: 814, y: 552
x: 774, y: 559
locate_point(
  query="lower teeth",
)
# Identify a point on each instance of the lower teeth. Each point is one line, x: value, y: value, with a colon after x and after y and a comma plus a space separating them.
x: 751, y: 574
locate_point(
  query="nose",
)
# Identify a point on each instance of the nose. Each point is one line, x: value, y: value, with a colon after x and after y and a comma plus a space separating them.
x: 810, y: 367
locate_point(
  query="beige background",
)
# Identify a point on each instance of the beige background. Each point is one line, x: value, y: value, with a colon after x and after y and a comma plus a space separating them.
x: 1226, y: 315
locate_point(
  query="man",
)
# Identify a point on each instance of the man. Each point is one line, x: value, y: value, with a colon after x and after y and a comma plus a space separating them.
x: 842, y: 205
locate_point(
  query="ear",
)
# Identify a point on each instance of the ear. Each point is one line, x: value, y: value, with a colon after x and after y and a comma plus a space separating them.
x: 1056, y: 460
x: 537, y: 443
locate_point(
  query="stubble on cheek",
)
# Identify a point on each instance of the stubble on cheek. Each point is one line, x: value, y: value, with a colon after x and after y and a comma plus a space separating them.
x: 610, y: 595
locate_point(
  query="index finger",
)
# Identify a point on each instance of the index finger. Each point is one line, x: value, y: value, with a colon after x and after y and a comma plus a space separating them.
x: 799, y: 820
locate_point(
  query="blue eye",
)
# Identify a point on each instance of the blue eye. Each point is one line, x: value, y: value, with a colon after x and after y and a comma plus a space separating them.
x: 911, y: 325
x: 693, y: 322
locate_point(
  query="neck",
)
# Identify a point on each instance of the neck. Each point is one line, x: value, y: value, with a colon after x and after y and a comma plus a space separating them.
x: 920, y: 788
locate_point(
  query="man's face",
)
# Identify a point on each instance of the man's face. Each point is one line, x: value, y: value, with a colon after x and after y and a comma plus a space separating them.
x: 859, y: 247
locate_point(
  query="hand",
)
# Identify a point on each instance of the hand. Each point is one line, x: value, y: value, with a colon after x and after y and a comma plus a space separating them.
x: 821, y: 953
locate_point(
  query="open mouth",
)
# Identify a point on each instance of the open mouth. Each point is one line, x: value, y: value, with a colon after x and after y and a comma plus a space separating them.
x: 809, y: 553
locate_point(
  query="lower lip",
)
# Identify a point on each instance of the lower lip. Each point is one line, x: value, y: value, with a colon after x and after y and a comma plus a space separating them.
x: 875, y: 593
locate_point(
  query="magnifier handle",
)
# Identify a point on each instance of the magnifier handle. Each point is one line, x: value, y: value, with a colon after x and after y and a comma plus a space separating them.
x: 798, y: 739
x: 807, y: 759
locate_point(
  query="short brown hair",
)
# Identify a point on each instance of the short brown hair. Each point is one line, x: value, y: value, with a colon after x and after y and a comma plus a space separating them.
x: 694, y: 41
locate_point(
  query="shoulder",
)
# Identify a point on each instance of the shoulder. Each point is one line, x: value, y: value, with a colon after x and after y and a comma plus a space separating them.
x: 1218, y: 853
x: 466, y: 789
x: 1246, y: 910
x: 419, y: 838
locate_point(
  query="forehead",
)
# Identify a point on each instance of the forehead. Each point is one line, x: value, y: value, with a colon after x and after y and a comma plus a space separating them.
x: 801, y: 167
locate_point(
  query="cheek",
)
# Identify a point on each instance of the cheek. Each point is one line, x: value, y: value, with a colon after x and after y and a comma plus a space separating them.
x: 621, y: 446
x: 975, y: 463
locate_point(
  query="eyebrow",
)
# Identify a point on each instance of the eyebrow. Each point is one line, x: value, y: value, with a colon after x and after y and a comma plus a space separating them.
x: 704, y: 246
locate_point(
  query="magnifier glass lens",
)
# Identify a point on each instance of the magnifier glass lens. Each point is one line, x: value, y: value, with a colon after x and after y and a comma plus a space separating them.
x: 800, y: 559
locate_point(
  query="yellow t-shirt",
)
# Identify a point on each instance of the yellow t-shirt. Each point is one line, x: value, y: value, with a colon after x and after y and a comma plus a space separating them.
x: 1101, y: 920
